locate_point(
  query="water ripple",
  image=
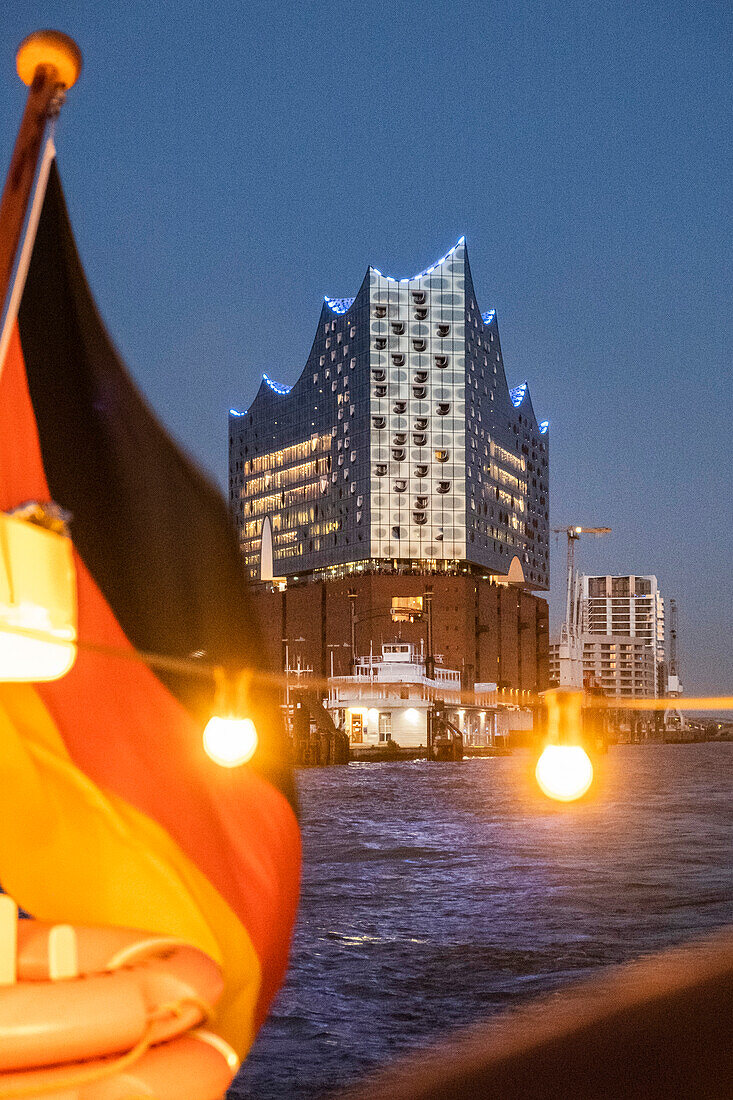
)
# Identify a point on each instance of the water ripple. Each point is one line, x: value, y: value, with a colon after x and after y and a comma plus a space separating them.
x: 437, y: 894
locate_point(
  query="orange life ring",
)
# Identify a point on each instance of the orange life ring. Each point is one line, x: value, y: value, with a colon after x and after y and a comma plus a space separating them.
x: 196, y: 1066
x: 107, y: 1014
x: 129, y: 986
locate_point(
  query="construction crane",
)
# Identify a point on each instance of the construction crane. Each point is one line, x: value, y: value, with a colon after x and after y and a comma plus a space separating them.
x: 674, y: 719
x: 571, y: 657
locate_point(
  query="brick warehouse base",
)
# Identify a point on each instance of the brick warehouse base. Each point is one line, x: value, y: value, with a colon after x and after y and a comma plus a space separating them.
x: 488, y: 632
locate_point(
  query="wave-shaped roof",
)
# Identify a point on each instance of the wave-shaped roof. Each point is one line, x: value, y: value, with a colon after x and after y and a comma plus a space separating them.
x: 343, y: 305
x: 339, y: 305
x: 276, y: 387
x: 517, y: 394
x: 427, y: 271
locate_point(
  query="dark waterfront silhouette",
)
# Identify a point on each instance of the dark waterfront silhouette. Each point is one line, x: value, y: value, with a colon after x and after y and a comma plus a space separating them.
x: 434, y: 895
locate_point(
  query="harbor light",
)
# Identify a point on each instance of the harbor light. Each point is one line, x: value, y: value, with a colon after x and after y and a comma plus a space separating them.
x: 230, y: 742
x: 564, y: 772
x: 230, y: 738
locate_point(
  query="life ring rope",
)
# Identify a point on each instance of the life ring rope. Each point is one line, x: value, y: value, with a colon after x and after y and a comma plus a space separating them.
x: 175, y: 1008
x: 87, y: 1076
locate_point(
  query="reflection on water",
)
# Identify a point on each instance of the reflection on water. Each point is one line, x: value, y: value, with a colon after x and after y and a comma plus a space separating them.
x: 436, y: 894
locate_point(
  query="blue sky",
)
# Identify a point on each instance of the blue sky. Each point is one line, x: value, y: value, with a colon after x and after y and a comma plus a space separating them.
x: 226, y: 165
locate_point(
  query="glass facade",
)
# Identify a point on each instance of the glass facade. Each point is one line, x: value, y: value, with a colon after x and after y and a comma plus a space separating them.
x: 400, y: 444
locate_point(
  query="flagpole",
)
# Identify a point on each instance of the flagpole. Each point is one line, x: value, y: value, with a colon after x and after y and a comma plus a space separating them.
x: 49, y: 62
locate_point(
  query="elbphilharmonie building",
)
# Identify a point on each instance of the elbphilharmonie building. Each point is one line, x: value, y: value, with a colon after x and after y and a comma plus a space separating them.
x: 401, y: 446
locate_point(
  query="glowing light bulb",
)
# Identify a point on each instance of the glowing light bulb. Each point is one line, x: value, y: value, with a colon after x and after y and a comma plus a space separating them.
x: 564, y: 772
x: 230, y: 742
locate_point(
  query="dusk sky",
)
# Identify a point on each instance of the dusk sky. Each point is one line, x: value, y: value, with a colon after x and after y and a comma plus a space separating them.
x: 228, y: 164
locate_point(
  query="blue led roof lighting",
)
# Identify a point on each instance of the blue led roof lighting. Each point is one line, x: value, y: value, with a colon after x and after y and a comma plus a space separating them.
x: 517, y: 394
x: 487, y: 318
x: 236, y: 412
x: 428, y: 271
x: 339, y: 305
x: 276, y: 387
x: 544, y: 425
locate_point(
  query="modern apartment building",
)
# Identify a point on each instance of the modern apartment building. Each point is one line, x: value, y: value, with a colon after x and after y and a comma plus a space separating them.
x: 622, y: 634
x: 630, y: 606
x: 621, y: 665
x: 400, y: 447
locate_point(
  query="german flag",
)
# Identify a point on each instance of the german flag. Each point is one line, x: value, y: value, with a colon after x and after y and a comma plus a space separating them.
x: 110, y: 810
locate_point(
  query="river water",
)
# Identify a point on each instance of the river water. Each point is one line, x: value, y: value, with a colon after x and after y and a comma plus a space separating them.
x: 436, y: 894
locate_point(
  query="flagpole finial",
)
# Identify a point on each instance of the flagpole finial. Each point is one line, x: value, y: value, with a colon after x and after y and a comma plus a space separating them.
x: 52, y: 49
